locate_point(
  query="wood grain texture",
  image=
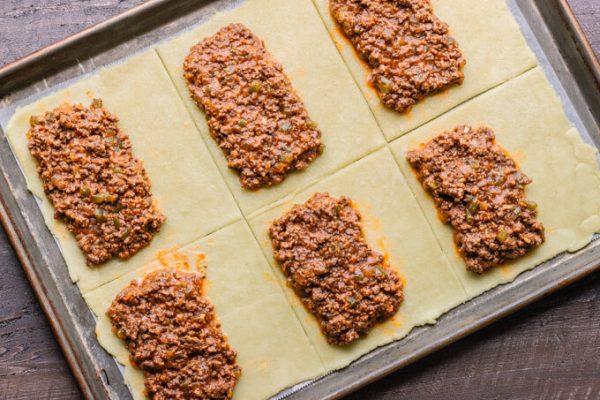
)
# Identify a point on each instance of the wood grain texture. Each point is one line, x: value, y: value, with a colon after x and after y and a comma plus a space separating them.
x: 547, y: 351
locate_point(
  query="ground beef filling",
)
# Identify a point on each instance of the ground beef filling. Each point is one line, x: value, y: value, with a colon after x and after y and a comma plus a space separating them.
x: 173, y: 337
x: 346, y: 285
x: 480, y: 192
x: 408, y: 48
x: 96, y: 185
x: 253, y: 112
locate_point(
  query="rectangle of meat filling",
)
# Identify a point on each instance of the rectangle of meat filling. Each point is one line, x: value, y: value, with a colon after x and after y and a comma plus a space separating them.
x: 408, y: 48
x: 479, y: 191
x: 253, y: 112
x: 96, y: 185
x: 173, y: 336
x: 347, y: 286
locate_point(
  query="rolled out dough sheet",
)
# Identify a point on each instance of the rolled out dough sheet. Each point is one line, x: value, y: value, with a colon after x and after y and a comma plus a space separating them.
x: 185, y: 181
x: 393, y: 224
x: 530, y: 123
x: 488, y: 36
x: 294, y: 34
x: 273, y: 350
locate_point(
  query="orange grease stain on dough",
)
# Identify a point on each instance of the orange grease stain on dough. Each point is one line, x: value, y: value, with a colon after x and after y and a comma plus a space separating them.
x: 173, y: 258
x: 518, y: 156
x: 341, y: 41
x: 206, y: 286
x: 408, y: 114
x: 390, y: 328
x: 258, y: 364
x: 162, y: 256
x: 373, y: 224
x: 443, y: 93
x: 200, y: 261
x: 338, y: 39
x: 505, y: 270
x: 269, y: 277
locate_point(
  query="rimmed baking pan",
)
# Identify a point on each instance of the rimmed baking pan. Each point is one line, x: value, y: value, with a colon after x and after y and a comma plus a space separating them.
x: 551, y: 30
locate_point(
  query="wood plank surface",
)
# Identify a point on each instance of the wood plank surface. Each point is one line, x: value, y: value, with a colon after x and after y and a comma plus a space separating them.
x: 549, y: 350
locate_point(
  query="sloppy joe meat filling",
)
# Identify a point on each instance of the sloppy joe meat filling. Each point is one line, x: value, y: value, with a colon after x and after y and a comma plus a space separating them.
x: 479, y: 191
x: 345, y: 284
x: 91, y: 177
x: 173, y: 336
x: 409, y: 50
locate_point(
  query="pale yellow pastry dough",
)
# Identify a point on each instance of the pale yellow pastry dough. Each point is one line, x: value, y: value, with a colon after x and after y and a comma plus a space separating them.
x: 489, y: 38
x: 185, y: 182
x: 273, y: 350
x: 530, y: 123
x: 295, y: 35
x: 394, y: 224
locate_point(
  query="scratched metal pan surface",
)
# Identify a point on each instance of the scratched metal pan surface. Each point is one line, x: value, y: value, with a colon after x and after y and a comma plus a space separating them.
x: 552, y: 32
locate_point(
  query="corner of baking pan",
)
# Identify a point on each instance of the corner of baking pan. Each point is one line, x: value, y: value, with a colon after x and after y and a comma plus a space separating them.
x: 67, y: 52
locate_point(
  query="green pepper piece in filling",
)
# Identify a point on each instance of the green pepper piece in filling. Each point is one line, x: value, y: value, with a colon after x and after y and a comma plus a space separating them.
x: 531, y: 205
x: 473, y: 207
x: 352, y: 302
x: 255, y: 86
x: 96, y: 103
x: 100, y: 215
x: 98, y: 198
x: 502, y: 235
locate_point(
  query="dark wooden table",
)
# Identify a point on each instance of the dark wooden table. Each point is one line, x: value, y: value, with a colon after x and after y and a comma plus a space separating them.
x: 550, y: 350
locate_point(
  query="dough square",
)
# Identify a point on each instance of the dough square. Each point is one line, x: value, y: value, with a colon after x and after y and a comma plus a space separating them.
x: 528, y: 120
x: 489, y: 38
x: 394, y: 225
x: 273, y: 350
x: 185, y: 181
x: 294, y: 34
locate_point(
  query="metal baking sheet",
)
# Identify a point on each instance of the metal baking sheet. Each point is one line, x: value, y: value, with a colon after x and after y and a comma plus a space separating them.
x: 552, y: 32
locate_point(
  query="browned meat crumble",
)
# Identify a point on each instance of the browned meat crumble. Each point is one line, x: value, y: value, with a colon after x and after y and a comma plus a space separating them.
x: 96, y: 185
x: 346, y: 285
x: 480, y: 191
x: 408, y: 48
x: 173, y: 336
x: 254, y: 114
